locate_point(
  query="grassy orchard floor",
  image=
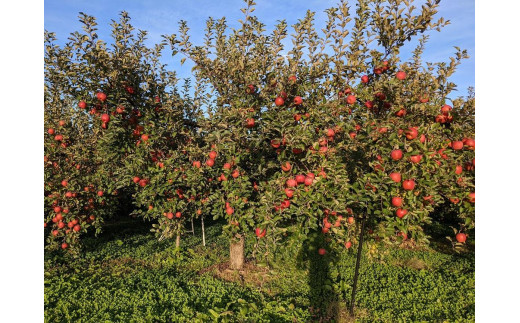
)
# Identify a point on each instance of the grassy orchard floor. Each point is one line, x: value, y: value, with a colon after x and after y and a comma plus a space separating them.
x: 126, y: 275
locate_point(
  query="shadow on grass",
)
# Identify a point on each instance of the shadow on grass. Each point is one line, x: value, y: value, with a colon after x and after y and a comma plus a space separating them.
x: 324, y: 303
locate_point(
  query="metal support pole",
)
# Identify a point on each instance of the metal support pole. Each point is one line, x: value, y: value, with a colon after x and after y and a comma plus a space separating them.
x: 358, y: 260
x: 203, y: 233
x: 192, y: 227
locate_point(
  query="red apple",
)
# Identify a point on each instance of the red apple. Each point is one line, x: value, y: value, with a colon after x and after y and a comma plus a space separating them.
x: 351, y: 99
x: 210, y: 162
x: 461, y: 237
x: 411, y: 133
x: 322, y: 251
x: 279, y: 101
x: 380, y: 95
x: 400, y: 75
x: 470, y: 143
x: 196, y: 164
x: 212, y: 154
x: 440, y: 118
x: 250, y: 89
x: 364, y: 79
x: 457, y: 145
x: 445, y: 110
x: 298, y: 100
x: 396, y: 154
x: 101, y: 96
x: 416, y: 159
x: 250, y: 123
x: 409, y: 184
x: 397, y: 201
x: 401, y: 213
x: 82, y: 105
x: 291, y: 183
x: 260, y: 233
x: 401, y: 113
x: 396, y: 177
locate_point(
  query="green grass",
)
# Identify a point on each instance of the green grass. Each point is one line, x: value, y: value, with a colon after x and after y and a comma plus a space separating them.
x: 126, y: 275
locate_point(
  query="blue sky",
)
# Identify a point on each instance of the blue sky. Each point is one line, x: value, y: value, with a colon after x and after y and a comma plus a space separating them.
x: 161, y: 17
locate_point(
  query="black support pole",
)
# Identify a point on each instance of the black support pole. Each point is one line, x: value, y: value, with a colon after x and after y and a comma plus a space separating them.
x: 358, y: 260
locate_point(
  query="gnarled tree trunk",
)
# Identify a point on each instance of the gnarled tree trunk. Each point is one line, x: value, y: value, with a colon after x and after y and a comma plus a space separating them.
x: 236, y: 252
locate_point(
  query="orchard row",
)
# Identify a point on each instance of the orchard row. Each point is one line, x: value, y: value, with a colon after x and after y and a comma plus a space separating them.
x: 275, y: 145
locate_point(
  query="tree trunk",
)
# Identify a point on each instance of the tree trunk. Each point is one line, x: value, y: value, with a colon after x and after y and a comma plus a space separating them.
x: 236, y: 252
x: 178, y: 241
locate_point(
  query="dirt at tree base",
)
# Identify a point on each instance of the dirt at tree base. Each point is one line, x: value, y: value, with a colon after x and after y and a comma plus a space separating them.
x: 250, y: 274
